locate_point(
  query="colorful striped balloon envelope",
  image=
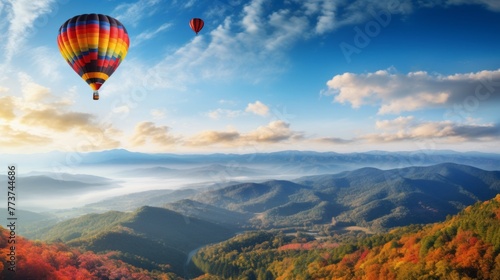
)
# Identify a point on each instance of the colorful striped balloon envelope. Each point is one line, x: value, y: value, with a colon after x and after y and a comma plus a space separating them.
x: 94, y: 45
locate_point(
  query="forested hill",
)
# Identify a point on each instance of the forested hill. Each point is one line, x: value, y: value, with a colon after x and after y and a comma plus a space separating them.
x: 150, y: 238
x: 465, y: 246
x: 38, y: 260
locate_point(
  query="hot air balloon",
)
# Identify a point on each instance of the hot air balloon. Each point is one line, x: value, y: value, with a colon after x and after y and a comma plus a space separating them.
x: 196, y: 24
x: 94, y: 45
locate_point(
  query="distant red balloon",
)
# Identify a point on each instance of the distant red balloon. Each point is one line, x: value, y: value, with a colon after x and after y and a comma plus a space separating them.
x: 196, y: 24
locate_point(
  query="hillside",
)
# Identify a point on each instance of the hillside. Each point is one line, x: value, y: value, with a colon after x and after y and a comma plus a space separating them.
x: 367, y: 197
x: 465, y: 246
x: 149, y: 237
x: 214, y: 214
x: 39, y: 260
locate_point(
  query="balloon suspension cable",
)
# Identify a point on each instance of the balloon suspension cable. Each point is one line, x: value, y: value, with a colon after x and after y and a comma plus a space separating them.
x: 96, y: 95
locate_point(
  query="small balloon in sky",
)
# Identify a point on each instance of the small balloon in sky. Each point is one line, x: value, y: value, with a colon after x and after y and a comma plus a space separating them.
x: 196, y: 24
x: 94, y: 45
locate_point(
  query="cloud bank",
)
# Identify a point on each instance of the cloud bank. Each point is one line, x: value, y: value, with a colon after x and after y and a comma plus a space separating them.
x: 394, y: 93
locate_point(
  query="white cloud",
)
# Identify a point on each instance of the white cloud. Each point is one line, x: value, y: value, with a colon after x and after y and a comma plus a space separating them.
x: 258, y: 108
x: 21, y: 15
x: 227, y: 51
x: 493, y: 5
x: 287, y: 28
x: 189, y: 3
x: 158, y: 113
x: 219, y: 113
x: 147, y: 35
x: 395, y: 93
x: 256, y: 36
x: 224, y: 101
x: 133, y: 13
x: 326, y: 21
x: 121, y: 110
x: 252, y: 20
x: 328, y: 15
x: 47, y: 62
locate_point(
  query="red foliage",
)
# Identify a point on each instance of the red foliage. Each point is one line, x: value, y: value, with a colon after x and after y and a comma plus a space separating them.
x: 36, y: 260
x: 364, y: 254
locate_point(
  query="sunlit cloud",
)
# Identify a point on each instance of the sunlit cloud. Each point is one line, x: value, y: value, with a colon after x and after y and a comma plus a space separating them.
x: 33, y: 92
x: 395, y: 92
x: 334, y: 140
x: 398, y: 123
x: 55, y: 120
x: 274, y: 132
x: 149, y: 132
x: 7, y: 112
x: 258, y: 108
x: 409, y: 129
x: 444, y: 131
x: 14, y: 138
x: 211, y: 137
x: 44, y: 121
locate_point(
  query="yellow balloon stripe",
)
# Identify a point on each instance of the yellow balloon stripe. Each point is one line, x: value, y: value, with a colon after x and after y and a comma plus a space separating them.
x: 93, y: 75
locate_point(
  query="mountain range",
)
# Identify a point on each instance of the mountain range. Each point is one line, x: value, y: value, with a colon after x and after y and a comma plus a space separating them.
x: 367, y: 197
x: 169, y: 226
x: 283, y: 162
x: 160, y: 230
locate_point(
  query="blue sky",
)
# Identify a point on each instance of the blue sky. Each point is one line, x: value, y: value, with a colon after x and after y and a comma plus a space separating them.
x: 343, y: 76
